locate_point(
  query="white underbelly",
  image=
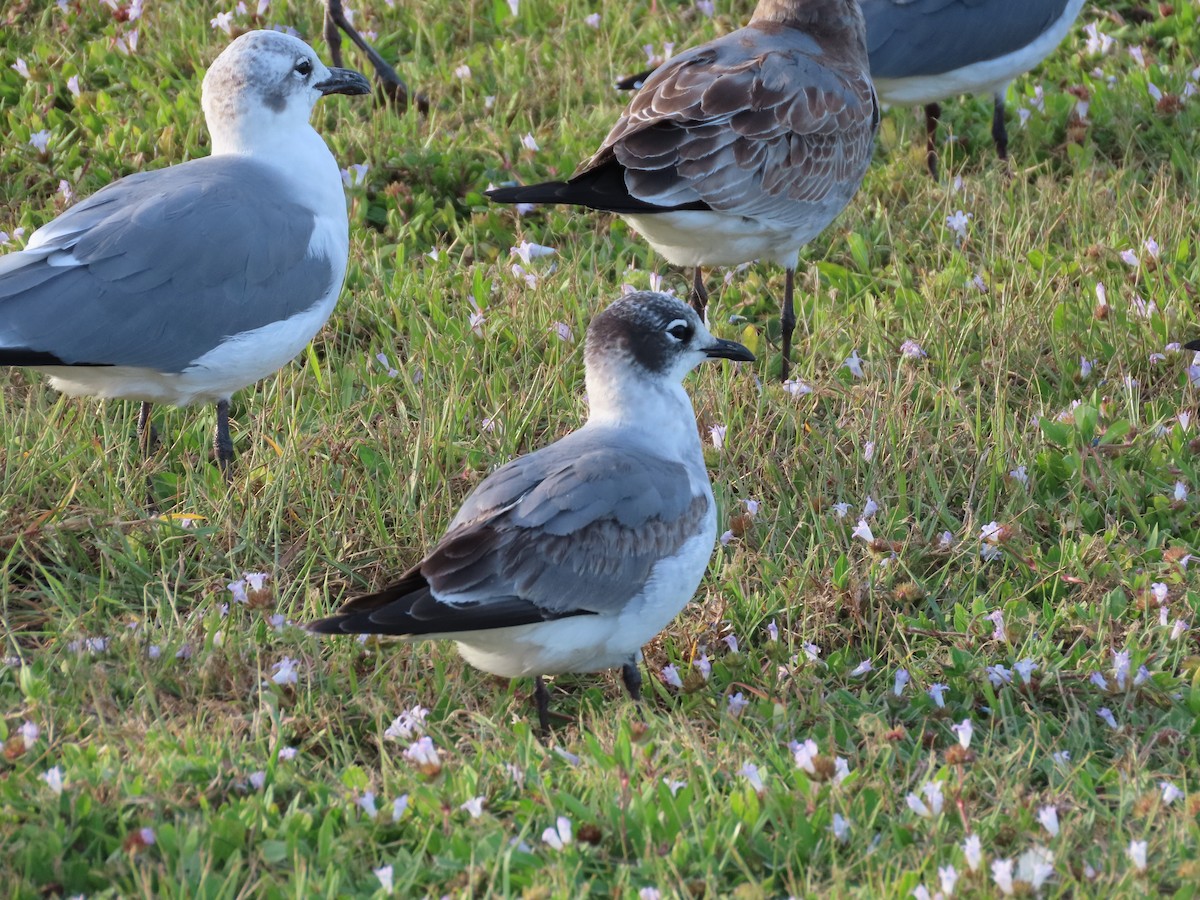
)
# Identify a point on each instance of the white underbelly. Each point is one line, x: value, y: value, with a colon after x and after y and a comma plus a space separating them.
x: 591, y: 643
x: 987, y: 77
x: 237, y: 362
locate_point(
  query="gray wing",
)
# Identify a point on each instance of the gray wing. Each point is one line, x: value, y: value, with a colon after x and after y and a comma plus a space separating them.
x: 749, y: 123
x: 570, y: 530
x: 158, y: 268
x: 929, y: 37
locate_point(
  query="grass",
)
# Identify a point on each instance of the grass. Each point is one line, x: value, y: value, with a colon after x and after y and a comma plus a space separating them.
x: 347, y: 471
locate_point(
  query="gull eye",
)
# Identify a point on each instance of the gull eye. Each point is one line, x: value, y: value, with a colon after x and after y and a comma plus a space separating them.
x: 680, y: 330
x: 304, y: 67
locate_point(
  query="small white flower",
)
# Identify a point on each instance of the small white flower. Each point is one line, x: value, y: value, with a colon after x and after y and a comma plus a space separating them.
x: 674, y: 786
x: 934, y: 797
x: 1170, y: 793
x: 560, y: 835
x: 804, y: 754
x: 238, y: 589
x: 1099, y: 681
x: 385, y: 876
x: 54, y: 780
x: 1025, y: 668
x: 40, y: 140
x: 366, y: 802
x: 423, y: 752
x: 1002, y: 874
x: 30, y: 732
x: 1106, y: 714
x: 1085, y: 367
x: 1159, y: 592
x: 796, y: 388
x: 408, y: 723
x: 868, y: 450
x: 737, y: 704
x: 772, y: 631
x: 917, y: 805
x: 474, y: 807
x: 592, y: 21
x: 964, y: 730
x: 1034, y: 867
x: 649, y: 893
x: 1178, y: 629
x: 812, y: 651
x: 902, y: 679
x: 854, y: 362
x: 717, y: 433
x: 463, y: 72
x: 841, y: 769
x: 529, y: 143
x: 1120, y: 668
x: 863, y: 530
x: 1137, y: 855
x: 996, y: 617
x: 973, y: 850
x: 841, y: 509
x: 910, y: 349
x: 258, y: 780
x: 948, y: 878
x: 861, y: 669
x: 527, y: 252
x: 937, y: 691
x: 1181, y: 492
x: 1020, y: 475
x: 1130, y: 258
x: 703, y: 666
x: 750, y: 772
x: 399, y: 807
x: 840, y: 827
x: 285, y: 671
x: 564, y: 332
x: 958, y: 223
x: 1062, y: 758
x: 287, y: 754
x: 999, y: 676
x: 671, y: 676
x: 1048, y: 817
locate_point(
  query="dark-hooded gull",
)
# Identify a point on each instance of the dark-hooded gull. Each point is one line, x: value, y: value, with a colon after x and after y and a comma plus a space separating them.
x: 185, y: 284
x: 573, y: 557
x: 743, y: 148
x: 924, y: 51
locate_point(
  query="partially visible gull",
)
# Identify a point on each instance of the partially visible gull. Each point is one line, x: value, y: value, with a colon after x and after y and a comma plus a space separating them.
x: 573, y: 557
x: 745, y: 147
x: 924, y: 51
x: 393, y: 85
x: 185, y: 284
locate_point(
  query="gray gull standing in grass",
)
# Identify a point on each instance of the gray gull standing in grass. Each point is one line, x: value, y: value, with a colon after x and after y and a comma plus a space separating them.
x: 923, y: 51
x: 743, y: 148
x: 573, y: 557
x: 185, y: 284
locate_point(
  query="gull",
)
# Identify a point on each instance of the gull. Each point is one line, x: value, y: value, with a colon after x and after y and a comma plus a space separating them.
x: 187, y: 283
x: 743, y: 148
x: 923, y: 51
x: 393, y: 85
x: 571, y: 558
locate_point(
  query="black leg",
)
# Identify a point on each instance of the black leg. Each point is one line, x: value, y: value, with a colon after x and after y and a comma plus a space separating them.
x: 699, y: 298
x: 787, y: 320
x: 632, y: 676
x: 147, y: 437
x: 999, y: 131
x: 393, y: 84
x: 541, y: 698
x: 222, y: 442
x: 932, y: 113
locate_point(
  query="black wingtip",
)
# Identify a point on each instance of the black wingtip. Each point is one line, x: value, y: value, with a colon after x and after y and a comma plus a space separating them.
x: 1193, y: 345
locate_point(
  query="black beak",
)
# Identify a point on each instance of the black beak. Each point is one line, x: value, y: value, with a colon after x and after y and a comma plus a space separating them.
x: 729, y: 350
x: 344, y: 81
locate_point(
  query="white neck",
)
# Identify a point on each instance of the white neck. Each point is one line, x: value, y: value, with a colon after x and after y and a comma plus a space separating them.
x: 659, y: 409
